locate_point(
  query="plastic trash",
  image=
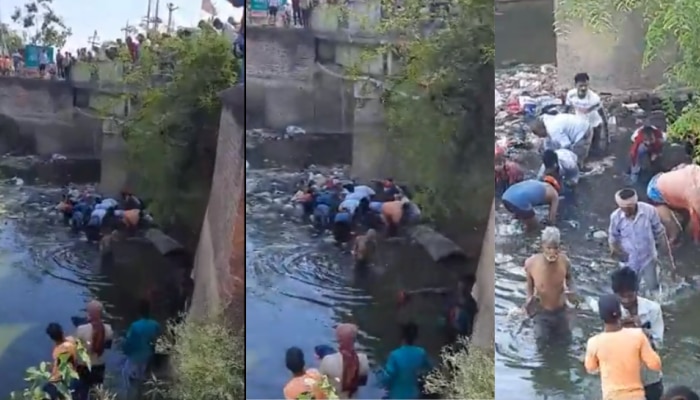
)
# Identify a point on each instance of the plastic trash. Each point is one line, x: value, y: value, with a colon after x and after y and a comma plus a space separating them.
x: 293, y: 130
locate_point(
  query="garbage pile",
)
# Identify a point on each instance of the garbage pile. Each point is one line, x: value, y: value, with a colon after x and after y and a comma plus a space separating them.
x: 521, y: 93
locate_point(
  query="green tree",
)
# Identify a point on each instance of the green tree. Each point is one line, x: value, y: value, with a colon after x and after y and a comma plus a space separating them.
x: 10, y: 39
x: 39, y: 16
x: 669, y: 24
x: 171, y: 132
x: 439, y: 104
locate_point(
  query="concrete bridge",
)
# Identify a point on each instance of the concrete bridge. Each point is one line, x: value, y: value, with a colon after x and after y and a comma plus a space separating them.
x: 295, y: 77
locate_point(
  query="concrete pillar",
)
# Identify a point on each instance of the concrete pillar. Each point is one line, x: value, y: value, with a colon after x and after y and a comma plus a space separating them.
x: 612, y: 59
x: 114, y: 172
x: 370, y: 144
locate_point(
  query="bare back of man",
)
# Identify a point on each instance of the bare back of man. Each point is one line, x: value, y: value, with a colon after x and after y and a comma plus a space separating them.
x: 548, y: 286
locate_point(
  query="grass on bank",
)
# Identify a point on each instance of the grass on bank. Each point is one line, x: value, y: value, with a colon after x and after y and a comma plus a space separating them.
x: 464, y: 374
x: 206, y: 361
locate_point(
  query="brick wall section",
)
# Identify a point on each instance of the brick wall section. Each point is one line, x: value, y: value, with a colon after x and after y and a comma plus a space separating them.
x: 219, y: 263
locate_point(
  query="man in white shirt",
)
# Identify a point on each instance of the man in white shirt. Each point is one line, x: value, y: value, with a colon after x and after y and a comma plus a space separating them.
x: 561, y: 163
x: 640, y: 312
x: 586, y: 103
x: 564, y: 131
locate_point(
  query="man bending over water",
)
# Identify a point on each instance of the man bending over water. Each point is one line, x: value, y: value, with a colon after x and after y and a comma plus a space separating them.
x: 549, y: 285
x: 561, y: 163
x: 647, y: 142
x: 619, y: 353
x: 674, y: 191
x: 364, y: 248
x: 522, y: 198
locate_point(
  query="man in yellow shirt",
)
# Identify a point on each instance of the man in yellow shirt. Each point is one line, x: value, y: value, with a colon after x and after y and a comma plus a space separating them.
x: 618, y: 354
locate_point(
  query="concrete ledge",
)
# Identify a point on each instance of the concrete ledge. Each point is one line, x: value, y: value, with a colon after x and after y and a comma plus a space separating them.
x: 233, y: 98
x: 484, y: 292
x: 289, y: 37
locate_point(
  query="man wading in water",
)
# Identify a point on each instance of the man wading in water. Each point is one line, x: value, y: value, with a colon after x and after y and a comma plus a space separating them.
x: 549, y: 285
x: 639, y: 312
x: 632, y: 234
x: 347, y: 369
x: 618, y: 354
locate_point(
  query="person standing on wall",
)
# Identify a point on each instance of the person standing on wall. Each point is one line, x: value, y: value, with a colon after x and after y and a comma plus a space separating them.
x: 43, y: 62
x: 272, y: 9
x: 305, y: 6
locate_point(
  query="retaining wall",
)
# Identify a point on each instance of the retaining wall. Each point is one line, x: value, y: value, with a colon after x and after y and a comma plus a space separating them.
x: 219, y: 267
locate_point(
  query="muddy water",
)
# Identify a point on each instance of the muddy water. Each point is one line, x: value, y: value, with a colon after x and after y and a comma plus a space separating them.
x: 47, y: 274
x: 523, y: 370
x: 298, y: 287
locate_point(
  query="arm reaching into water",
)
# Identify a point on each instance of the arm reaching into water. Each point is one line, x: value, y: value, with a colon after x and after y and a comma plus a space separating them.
x: 553, y: 207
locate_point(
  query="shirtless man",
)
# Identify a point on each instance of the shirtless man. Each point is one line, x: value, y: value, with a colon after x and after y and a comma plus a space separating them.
x: 549, y: 285
x: 364, y: 248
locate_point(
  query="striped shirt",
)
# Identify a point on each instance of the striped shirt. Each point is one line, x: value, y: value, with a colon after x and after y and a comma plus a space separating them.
x: 637, y: 235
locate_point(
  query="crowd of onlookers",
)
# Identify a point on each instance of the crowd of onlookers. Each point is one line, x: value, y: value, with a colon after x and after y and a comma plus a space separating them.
x: 289, y: 13
x: 59, y: 67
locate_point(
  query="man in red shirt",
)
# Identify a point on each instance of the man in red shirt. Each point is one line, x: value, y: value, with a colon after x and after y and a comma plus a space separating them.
x: 507, y: 172
x: 647, y: 141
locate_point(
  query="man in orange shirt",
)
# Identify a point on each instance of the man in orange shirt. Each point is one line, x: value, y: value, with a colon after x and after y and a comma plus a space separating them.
x: 618, y: 354
x: 64, y: 353
x: 304, y: 381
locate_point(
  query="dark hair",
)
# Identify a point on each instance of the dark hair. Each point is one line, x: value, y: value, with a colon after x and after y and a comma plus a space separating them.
x: 294, y: 359
x: 409, y: 332
x: 680, y: 393
x: 624, y: 280
x: 55, y: 332
x: 648, y: 129
x: 550, y: 159
x: 581, y: 77
x: 145, y: 308
x: 627, y: 193
x: 350, y: 187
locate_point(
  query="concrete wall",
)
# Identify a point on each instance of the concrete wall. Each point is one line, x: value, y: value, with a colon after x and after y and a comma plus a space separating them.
x: 484, y: 293
x: 613, y: 60
x: 45, y: 119
x: 284, y: 86
x: 219, y: 266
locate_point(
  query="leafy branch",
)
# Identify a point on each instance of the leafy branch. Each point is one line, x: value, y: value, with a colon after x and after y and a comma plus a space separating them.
x: 39, y: 15
x: 438, y: 100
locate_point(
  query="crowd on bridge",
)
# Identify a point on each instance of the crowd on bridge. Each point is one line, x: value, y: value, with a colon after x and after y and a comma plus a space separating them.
x: 625, y: 353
